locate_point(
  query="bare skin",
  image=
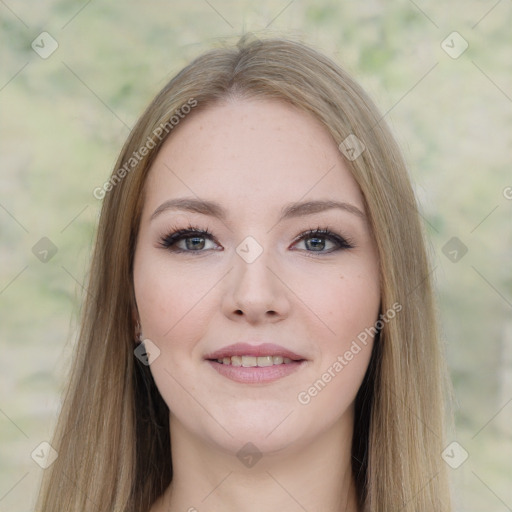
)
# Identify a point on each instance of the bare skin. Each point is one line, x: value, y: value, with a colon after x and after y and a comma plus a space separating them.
x: 311, y: 295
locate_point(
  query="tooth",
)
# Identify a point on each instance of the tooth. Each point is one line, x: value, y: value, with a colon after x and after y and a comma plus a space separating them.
x: 252, y: 361
x: 248, y: 361
x: 265, y: 361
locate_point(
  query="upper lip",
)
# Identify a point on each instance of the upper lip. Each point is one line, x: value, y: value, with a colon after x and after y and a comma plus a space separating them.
x: 259, y: 350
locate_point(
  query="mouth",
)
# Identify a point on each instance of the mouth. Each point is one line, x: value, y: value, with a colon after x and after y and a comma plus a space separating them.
x: 253, y: 361
x: 255, y: 364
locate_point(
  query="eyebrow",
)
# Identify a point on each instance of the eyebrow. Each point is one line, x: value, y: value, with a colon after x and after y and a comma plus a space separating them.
x: 291, y: 210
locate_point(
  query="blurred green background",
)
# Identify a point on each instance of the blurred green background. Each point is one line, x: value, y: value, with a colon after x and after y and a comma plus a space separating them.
x: 65, y: 115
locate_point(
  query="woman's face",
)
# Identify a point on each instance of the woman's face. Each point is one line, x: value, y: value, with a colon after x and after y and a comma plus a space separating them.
x: 258, y: 175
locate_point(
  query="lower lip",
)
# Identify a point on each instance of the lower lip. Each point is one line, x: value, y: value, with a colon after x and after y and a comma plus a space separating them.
x: 256, y: 374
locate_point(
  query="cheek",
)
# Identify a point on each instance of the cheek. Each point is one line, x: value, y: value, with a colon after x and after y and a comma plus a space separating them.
x: 173, y: 317
x: 358, y: 306
x: 344, y: 304
x: 350, y: 310
x: 347, y: 305
x: 170, y: 301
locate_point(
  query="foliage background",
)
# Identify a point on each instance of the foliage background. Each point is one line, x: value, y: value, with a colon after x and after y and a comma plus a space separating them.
x: 64, y: 120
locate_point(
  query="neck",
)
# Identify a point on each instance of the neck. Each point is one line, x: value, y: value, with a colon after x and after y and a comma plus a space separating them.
x: 316, y: 476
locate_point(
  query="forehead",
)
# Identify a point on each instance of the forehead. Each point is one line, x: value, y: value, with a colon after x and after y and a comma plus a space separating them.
x: 251, y: 154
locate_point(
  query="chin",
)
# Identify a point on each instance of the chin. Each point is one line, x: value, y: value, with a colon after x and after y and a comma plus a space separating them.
x: 269, y: 433
x: 257, y: 442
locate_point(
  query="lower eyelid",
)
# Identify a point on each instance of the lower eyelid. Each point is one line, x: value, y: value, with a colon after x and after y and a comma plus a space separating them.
x: 340, y: 241
x: 170, y: 243
x: 174, y: 245
x: 338, y: 246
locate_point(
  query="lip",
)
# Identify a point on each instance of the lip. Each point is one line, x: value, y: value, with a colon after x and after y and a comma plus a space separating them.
x: 260, y: 350
x: 255, y: 374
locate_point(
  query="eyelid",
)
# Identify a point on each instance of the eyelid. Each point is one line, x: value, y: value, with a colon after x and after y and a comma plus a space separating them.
x: 176, y: 235
x: 343, y: 242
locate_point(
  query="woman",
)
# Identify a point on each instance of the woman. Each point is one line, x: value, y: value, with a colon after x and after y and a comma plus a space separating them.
x: 259, y: 331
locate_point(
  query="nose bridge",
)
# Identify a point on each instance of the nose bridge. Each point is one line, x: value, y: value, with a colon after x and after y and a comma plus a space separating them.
x: 252, y: 270
x: 254, y: 286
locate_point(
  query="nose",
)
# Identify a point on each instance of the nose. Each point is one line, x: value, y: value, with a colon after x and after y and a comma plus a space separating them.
x: 256, y: 292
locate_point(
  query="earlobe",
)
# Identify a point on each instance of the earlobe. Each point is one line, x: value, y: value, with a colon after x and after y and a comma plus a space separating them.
x: 138, y: 333
x: 137, y: 328
x: 136, y: 325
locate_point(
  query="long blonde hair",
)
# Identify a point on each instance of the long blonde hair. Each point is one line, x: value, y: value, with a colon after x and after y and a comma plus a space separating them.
x: 113, y: 436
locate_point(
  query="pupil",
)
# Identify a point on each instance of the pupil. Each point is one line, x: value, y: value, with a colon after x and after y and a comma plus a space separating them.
x: 190, y: 243
x: 317, y: 243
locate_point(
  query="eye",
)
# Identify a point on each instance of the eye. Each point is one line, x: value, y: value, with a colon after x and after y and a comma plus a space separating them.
x: 316, y: 240
x: 191, y: 239
x: 194, y: 240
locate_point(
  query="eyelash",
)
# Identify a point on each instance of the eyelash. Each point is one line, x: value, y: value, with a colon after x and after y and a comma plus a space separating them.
x: 171, y: 239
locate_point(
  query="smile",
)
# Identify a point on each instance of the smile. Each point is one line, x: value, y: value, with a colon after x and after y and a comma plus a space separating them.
x: 252, y: 361
x: 255, y: 363
x: 256, y: 370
